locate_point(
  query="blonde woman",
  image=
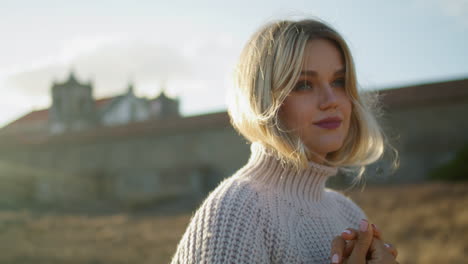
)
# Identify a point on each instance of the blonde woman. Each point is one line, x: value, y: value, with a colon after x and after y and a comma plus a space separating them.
x: 296, y: 101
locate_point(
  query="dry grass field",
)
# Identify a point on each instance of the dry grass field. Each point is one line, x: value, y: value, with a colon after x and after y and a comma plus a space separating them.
x: 428, y: 224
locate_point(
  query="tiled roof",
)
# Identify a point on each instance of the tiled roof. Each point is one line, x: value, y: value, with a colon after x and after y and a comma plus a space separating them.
x: 43, y: 115
x: 103, y: 101
x: 34, y: 116
x: 146, y: 128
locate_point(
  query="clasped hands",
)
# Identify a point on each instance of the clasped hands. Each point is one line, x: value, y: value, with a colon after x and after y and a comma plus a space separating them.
x: 363, y: 246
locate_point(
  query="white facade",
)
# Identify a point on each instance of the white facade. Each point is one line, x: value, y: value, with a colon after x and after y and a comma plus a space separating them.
x: 125, y: 109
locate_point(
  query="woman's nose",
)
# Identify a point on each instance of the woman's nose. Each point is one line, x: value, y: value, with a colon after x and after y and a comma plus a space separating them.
x: 329, y: 98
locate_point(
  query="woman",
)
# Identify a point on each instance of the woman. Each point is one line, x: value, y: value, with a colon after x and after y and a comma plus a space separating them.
x: 296, y: 100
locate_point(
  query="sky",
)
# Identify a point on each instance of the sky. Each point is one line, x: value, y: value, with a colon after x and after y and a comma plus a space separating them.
x: 189, y: 48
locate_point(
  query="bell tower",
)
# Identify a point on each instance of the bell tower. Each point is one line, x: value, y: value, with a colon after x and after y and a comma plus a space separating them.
x: 72, y: 106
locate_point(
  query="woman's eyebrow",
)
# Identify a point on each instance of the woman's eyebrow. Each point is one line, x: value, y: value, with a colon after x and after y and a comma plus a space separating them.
x: 314, y: 73
x: 340, y: 71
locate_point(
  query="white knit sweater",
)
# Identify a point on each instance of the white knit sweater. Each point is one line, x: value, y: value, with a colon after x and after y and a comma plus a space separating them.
x: 266, y: 213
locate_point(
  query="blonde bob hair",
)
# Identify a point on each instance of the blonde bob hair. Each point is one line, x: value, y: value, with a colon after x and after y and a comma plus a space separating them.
x: 267, y: 72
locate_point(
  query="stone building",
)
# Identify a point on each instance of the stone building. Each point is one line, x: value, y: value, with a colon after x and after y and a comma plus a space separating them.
x: 136, y: 151
x: 74, y: 109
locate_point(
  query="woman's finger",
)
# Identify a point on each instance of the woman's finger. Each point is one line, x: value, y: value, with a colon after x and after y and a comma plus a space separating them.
x: 349, y: 234
x: 377, y: 232
x: 352, y: 234
x: 363, y: 242
x: 380, y: 253
x: 350, y: 245
x: 349, y: 248
x: 391, y: 249
x: 338, y: 247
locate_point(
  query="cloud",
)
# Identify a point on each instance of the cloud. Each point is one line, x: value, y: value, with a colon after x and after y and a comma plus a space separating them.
x: 110, y: 66
x: 109, y: 63
x: 113, y: 66
x: 457, y: 9
x: 195, y: 69
x: 34, y: 81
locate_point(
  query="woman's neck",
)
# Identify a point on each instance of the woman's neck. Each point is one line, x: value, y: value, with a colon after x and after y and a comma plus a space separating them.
x: 303, y: 185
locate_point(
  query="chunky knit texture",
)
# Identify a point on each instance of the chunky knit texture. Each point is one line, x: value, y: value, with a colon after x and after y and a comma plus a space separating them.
x: 268, y: 213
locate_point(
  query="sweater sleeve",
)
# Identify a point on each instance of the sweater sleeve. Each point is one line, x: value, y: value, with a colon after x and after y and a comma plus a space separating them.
x: 227, y: 228
x: 350, y: 210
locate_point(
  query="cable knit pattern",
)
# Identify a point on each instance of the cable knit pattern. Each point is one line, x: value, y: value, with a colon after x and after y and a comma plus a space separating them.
x: 268, y: 213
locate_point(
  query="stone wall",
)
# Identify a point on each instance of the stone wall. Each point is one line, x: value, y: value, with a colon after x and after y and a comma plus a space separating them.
x: 425, y: 136
x: 133, y: 168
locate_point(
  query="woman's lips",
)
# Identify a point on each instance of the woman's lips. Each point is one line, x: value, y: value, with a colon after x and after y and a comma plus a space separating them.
x: 332, y: 122
x: 329, y: 125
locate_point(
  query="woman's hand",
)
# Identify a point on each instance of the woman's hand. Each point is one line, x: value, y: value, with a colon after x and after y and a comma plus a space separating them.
x: 363, y: 246
x: 350, y: 235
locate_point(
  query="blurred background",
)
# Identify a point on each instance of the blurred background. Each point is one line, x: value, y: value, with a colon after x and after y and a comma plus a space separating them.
x: 113, y: 124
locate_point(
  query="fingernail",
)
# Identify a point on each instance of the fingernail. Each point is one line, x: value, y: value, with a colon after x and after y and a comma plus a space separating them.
x: 375, y: 227
x: 363, y: 225
x: 387, y: 245
x: 335, y: 258
x: 347, y: 232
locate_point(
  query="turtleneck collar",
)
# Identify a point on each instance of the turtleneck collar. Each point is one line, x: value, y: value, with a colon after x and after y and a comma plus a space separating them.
x: 306, y: 185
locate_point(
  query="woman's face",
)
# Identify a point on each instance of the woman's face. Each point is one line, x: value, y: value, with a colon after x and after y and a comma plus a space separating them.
x: 319, y: 94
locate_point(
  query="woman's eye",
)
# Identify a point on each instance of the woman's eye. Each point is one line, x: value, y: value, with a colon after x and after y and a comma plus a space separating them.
x: 339, y: 82
x: 302, y: 86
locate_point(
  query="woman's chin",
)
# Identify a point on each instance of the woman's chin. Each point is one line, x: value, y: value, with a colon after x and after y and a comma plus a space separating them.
x: 326, y: 149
